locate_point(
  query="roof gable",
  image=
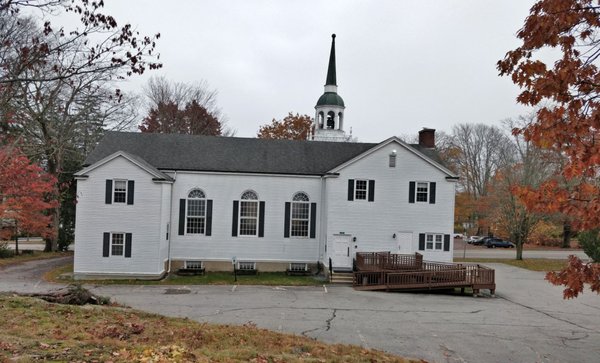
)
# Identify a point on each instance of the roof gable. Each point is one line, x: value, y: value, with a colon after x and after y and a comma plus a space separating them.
x: 430, y: 156
x: 142, y: 164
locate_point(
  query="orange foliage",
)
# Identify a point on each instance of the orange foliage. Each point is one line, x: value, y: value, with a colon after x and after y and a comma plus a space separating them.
x: 575, y: 276
x: 292, y: 127
x: 571, y: 125
x: 26, y: 194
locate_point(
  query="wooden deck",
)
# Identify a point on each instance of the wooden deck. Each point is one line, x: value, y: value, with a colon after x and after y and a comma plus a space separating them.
x: 387, y: 271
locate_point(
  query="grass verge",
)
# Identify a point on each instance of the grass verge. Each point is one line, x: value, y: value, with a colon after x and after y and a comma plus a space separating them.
x: 210, y: 278
x: 36, y: 255
x: 534, y: 264
x: 34, y: 330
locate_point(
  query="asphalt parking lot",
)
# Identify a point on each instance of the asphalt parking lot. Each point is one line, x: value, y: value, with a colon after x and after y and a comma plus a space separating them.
x: 527, y: 321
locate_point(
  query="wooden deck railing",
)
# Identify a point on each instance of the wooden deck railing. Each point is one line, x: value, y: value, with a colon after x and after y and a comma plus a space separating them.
x: 383, y: 270
x: 377, y: 261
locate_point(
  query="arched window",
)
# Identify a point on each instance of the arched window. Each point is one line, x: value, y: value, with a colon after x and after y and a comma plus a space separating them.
x: 320, y: 119
x: 340, y: 121
x: 331, y: 120
x: 300, y: 215
x: 196, y: 212
x: 249, y: 214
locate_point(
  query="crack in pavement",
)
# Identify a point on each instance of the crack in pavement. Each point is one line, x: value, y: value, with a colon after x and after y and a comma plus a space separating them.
x: 545, y: 313
x: 328, y: 321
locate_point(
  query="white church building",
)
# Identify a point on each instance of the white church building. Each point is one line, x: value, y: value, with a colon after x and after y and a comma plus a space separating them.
x: 149, y: 204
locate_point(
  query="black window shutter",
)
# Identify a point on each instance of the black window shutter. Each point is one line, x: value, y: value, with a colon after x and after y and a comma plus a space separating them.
x: 106, y: 245
x: 421, y: 241
x: 371, y: 190
x: 261, y: 220
x: 286, y: 222
x: 446, y: 242
x: 208, y: 231
x: 432, y: 193
x: 313, y: 220
x: 108, y: 195
x: 127, y: 244
x: 181, y: 217
x: 234, y: 221
x: 350, y: 189
x: 411, y: 192
x: 130, y: 191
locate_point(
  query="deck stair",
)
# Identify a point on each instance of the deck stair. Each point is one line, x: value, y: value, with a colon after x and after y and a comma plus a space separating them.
x: 341, y: 278
x: 388, y: 271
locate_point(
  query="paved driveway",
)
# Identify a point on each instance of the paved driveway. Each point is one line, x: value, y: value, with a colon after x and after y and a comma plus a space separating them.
x: 526, y: 322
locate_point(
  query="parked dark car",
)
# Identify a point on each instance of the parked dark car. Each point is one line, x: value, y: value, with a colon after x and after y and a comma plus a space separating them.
x: 497, y: 242
x: 481, y: 241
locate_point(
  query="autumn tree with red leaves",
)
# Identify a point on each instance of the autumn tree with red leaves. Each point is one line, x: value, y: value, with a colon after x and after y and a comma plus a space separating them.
x: 26, y: 195
x: 194, y: 119
x: 292, y: 127
x: 567, y: 92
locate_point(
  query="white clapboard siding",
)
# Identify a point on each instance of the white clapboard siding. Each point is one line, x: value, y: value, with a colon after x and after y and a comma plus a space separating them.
x: 374, y: 223
x: 223, y: 189
x: 142, y: 220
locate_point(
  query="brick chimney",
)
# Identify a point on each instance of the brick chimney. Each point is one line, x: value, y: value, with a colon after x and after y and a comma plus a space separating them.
x: 427, y: 138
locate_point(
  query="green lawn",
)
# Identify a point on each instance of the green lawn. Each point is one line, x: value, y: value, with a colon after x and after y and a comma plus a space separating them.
x: 34, y: 330
x: 534, y: 264
x: 210, y: 278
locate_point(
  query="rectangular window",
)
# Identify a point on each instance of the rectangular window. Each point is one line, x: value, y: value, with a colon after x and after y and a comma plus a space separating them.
x: 392, y: 160
x: 246, y: 266
x: 434, y: 242
x: 300, y: 219
x: 422, y: 192
x: 117, y: 244
x: 248, y: 218
x: 196, y: 216
x: 298, y: 267
x: 193, y: 265
x: 360, y: 189
x: 120, y: 191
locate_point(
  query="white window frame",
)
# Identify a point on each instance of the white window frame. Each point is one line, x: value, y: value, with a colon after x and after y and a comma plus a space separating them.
x: 187, y: 209
x: 435, y: 243
x: 306, y: 203
x: 193, y: 264
x: 245, y: 264
x: 366, y: 198
x: 417, y: 192
x: 298, y: 266
x: 114, y: 191
x: 112, y: 244
x: 255, y: 201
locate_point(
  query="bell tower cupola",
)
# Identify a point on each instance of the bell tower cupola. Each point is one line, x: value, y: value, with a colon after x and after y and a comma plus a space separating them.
x: 329, y: 115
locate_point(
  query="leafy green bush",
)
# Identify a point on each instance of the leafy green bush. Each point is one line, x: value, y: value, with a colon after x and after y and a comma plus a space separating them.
x: 590, y: 242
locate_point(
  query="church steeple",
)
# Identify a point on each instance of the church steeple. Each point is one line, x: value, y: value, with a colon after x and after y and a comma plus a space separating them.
x: 330, y: 107
x: 331, y: 79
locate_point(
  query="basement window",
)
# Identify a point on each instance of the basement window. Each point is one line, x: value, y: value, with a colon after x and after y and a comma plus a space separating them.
x: 193, y: 265
x: 246, y: 266
x: 298, y: 267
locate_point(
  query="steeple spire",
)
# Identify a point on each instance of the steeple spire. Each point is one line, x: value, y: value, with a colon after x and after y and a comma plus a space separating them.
x: 329, y: 115
x: 331, y: 79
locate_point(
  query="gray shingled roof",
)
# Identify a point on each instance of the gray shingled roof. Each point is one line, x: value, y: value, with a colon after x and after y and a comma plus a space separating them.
x: 232, y: 154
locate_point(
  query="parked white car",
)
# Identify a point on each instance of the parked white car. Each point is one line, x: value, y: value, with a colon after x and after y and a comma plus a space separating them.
x: 473, y: 239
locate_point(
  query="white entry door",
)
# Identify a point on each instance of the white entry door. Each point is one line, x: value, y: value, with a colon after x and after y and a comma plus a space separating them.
x: 342, y: 251
x: 404, y: 241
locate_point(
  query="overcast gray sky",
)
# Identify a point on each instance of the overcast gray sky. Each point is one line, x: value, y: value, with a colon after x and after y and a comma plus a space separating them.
x: 401, y: 65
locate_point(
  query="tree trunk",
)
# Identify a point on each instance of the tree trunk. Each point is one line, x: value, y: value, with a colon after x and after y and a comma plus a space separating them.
x: 519, y: 244
x: 566, y: 234
x: 54, y: 167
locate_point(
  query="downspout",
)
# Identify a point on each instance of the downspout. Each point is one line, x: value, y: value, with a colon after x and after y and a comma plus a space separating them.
x: 170, y: 225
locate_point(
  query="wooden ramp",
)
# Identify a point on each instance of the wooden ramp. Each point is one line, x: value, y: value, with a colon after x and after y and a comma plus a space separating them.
x: 387, y: 271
